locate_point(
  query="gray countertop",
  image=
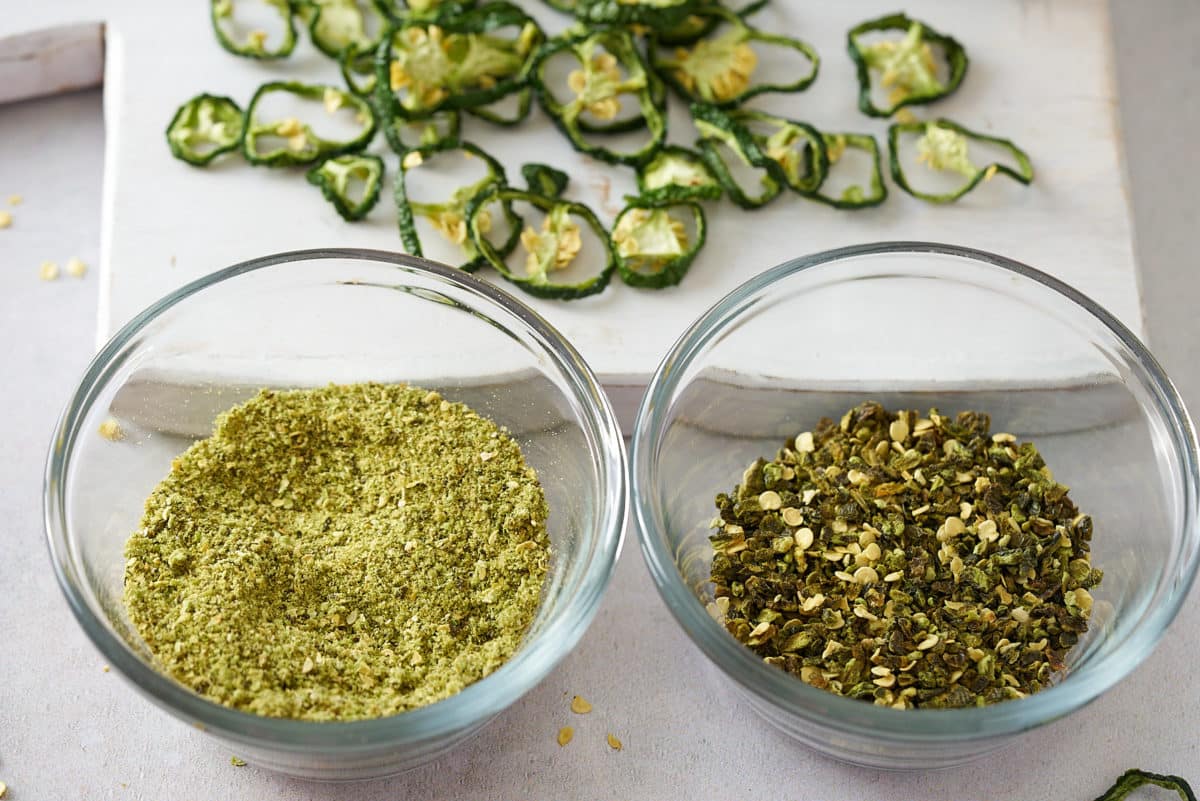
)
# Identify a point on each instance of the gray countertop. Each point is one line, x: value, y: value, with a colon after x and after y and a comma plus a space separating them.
x: 68, y: 729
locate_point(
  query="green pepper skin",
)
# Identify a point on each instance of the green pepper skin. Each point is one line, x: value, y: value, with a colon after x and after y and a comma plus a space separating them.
x: 524, y: 106
x: 1023, y: 174
x: 1133, y: 778
x: 665, y: 69
x: 437, y: 132
x: 717, y: 125
x: 566, y: 116
x: 326, y: 174
x: 878, y: 187
x: 815, y: 155
x: 673, y: 271
x: 398, y: 11
x: 335, y: 49
x: 633, y: 12
x: 565, y: 6
x: 693, y: 28
x: 320, y: 148
x: 710, y: 190
x: 542, y: 179
x: 353, y: 63
x: 406, y: 216
x: 186, y: 120
x: 219, y: 9
x: 478, y: 21
x: 956, y: 57
x: 548, y: 289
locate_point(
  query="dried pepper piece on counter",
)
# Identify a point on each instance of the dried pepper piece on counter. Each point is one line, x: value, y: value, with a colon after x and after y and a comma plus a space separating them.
x: 298, y: 142
x: 718, y: 69
x: 551, y: 248
x: 654, y: 247
x: 943, y: 146
x: 338, y: 178
x: 205, y: 127
x: 253, y: 44
x: 906, y: 66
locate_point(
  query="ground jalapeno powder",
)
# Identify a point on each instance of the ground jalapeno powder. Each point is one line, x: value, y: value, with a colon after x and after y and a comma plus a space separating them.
x: 905, y: 560
x: 339, y: 553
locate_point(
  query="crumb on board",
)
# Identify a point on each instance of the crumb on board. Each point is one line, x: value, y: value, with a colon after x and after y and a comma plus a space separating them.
x: 564, y: 735
x: 614, y: 743
x: 111, y: 430
x: 579, y: 706
x: 237, y: 762
x: 76, y: 268
x: 48, y: 271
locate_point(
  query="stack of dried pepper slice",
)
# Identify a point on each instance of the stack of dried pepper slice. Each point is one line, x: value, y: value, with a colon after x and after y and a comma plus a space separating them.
x: 413, y: 68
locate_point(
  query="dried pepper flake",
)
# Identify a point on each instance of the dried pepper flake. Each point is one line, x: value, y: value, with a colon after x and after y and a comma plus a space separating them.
x: 904, y: 560
x: 111, y: 430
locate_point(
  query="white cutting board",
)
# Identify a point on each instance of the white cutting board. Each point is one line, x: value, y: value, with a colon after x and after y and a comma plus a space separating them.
x: 1041, y: 73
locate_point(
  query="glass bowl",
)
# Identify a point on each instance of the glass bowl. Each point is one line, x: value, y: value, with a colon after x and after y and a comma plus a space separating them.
x: 916, y: 325
x: 306, y: 319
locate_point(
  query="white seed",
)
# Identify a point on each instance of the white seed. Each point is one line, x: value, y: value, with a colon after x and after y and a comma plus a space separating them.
x: 987, y: 531
x: 804, y: 538
x: 976, y: 654
x: 809, y: 604
x: 1019, y: 614
x: 844, y: 576
x: 956, y: 567
x: 804, y: 442
x: 1002, y: 438
x: 898, y: 430
x: 885, y: 681
x: 791, y: 516
x: 895, y: 575
x: 872, y: 552
x: 769, y: 501
x: 856, y: 477
x: 881, y: 670
x: 866, y: 575
x: 928, y: 642
x: 861, y: 611
x: 808, y: 495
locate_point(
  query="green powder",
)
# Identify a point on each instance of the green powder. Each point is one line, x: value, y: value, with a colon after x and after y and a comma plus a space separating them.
x: 340, y: 553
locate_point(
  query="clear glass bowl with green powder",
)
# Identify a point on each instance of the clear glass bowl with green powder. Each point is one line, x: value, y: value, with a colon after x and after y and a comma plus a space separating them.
x: 913, y: 326
x: 306, y: 321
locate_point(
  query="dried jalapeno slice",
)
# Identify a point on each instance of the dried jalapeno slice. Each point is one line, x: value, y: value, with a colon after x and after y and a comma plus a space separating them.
x: 205, y: 127
x: 340, y: 24
x: 907, y: 66
x: 298, y: 142
x: 676, y: 173
x: 719, y: 130
x: 252, y: 43
x: 853, y: 195
x: 795, y: 150
x: 340, y: 177
x: 549, y: 249
x: 718, y: 68
x: 1133, y: 778
x: 943, y: 146
x: 440, y: 129
x: 652, y: 13
x: 454, y: 61
x: 610, y: 70
x: 654, y: 245
x: 449, y: 216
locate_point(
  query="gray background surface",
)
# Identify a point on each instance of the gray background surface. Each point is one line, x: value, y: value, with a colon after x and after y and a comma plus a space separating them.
x: 70, y: 730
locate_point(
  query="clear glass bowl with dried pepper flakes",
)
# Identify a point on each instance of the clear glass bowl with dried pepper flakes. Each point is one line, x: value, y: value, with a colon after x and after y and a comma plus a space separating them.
x: 915, y: 326
x: 306, y: 320
x: 906, y: 560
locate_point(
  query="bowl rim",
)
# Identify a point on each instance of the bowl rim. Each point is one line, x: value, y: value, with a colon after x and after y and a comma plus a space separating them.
x: 777, y: 689
x: 477, y: 702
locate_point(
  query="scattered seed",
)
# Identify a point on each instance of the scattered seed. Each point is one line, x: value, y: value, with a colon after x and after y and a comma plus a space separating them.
x: 48, y: 271
x: 111, y: 430
x: 15, y: 200
x: 412, y: 159
x: 614, y: 743
x: 564, y: 735
x: 579, y: 706
x: 237, y: 762
x: 76, y: 268
x: 5, y: 219
x: 105, y: 668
